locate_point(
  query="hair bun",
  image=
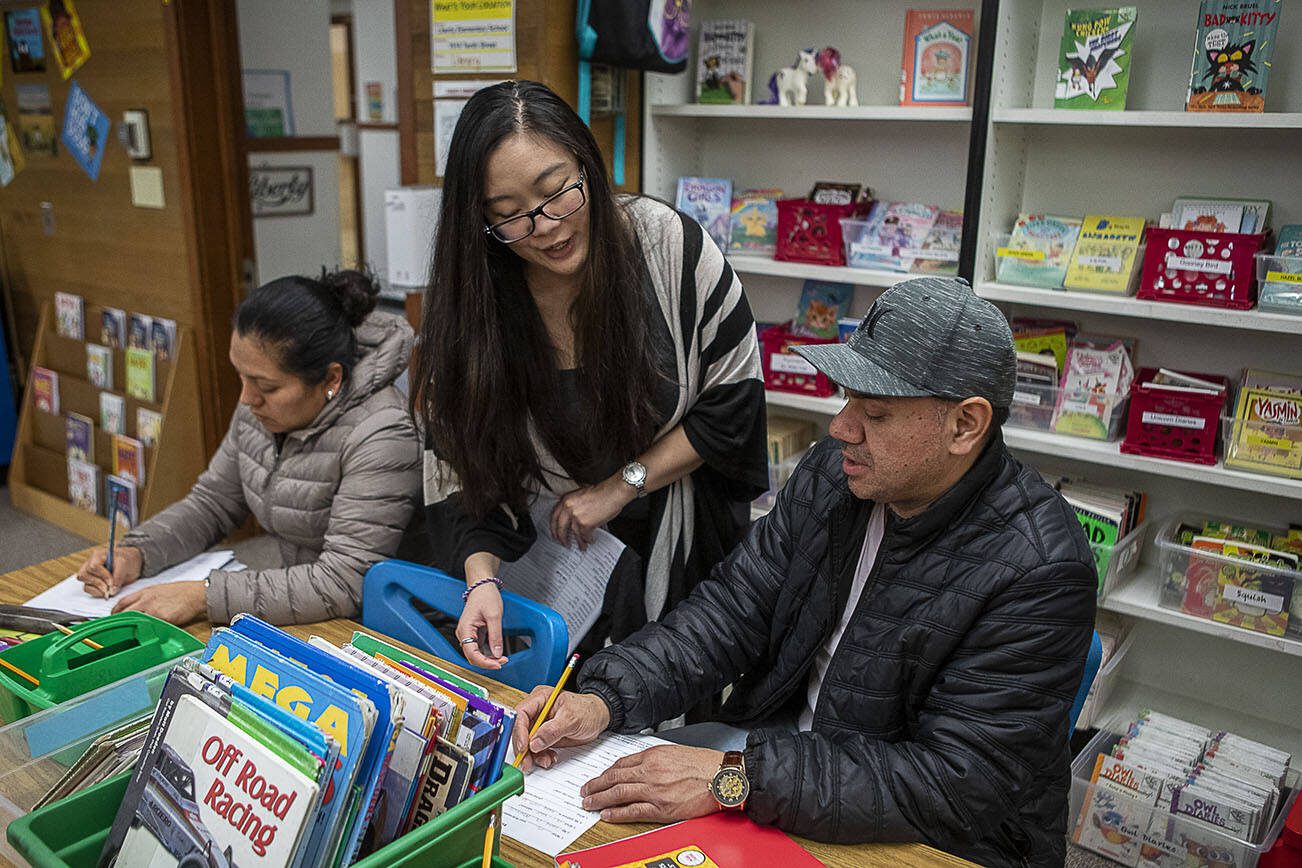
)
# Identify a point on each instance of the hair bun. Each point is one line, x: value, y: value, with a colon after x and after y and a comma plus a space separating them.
x: 356, y: 291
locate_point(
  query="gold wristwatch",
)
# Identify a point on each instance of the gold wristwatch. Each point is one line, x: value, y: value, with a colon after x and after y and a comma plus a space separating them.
x: 730, y: 786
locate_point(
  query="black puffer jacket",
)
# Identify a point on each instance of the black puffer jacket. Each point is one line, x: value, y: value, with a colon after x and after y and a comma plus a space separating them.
x: 943, y: 716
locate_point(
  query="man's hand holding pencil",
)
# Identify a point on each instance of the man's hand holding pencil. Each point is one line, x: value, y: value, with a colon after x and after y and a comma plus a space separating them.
x: 96, y: 576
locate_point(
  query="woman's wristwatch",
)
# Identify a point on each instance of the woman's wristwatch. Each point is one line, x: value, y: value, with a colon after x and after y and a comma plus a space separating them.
x: 634, y: 473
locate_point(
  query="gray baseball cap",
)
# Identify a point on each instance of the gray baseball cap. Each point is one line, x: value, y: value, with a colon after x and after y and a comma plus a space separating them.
x: 926, y: 337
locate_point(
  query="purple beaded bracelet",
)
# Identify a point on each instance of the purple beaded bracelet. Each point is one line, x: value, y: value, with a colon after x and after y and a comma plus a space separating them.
x: 465, y: 595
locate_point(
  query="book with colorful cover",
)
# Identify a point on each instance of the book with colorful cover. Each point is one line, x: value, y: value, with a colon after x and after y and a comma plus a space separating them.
x: 349, y: 718
x: 163, y: 338
x: 83, y: 485
x: 140, y: 373
x: 129, y: 458
x: 1094, y: 383
x: 113, y: 328
x: 1094, y: 59
x: 387, y: 703
x: 1105, y: 253
x: 1044, y: 341
x: 45, y: 389
x: 79, y: 434
x: 893, y: 230
x: 120, y: 497
x: 374, y: 646
x: 725, y: 62
x: 1253, y: 598
x: 99, y: 366
x: 708, y: 201
x: 821, y: 304
x: 937, y: 54
x: 1267, y: 432
x: 140, y: 329
x: 1282, y: 287
x: 26, y: 47
x: 1102, y: 530
x: 724, y: 839
x: 70, y: 316
x: 754, y: 222
x: 67, y: 40
x: 1038, y: 251
x: 148, y: 425
x: 112, y: 413
x: 939, y: 251
x: 205, y: 788
x: 1233, y: 44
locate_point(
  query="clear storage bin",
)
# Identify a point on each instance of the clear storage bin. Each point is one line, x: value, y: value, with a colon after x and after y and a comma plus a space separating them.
x: 1119, y: 560
x: 1279, y: 282
x: 778, y: 475
x: 1082, y: 414
x: 1207, y: 584
x: 1104, y: 681
x: 1154, y: 834
x: 1048, y: 270
x: 1272, y: 448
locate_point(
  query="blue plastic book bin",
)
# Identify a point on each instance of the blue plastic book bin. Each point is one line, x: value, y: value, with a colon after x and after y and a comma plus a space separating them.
x: 392, y: 589
x: 1092, y: 661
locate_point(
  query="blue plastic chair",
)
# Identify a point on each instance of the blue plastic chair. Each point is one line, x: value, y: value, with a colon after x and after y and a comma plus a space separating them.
x: 1092, y: 661
x: 392, y: 588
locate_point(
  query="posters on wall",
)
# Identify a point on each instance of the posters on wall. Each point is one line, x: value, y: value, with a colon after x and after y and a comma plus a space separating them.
x: 374, y: 101
x: 67, y: 40
x: 11, y: 152
x: 449, y: 99
x: 268, y: 108
x: 472, y: 36
x: 36, y: 119
x: 26, y: 47
x: 85, y: 131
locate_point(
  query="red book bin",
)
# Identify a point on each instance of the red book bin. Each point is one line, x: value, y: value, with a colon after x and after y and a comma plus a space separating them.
x: 785, y: 371
x: 1208, y: 268
x: 811, y: 231
x: 1167, y: 423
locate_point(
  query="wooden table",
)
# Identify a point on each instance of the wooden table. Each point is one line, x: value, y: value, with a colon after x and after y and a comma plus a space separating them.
x: 21, y: 585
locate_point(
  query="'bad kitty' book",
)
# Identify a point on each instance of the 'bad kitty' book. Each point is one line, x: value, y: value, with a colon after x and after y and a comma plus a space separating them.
x: 1094, y: 59
x: 1233, y: 44
x: 724, y: 62
x: 937, y: 48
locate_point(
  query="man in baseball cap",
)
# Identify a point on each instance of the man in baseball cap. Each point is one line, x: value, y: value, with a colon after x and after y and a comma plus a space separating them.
x: 904, y: 632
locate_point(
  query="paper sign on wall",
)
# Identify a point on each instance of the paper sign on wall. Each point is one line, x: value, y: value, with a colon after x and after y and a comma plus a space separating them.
x: 446, y: 113
x: 472, y: 36
x: 85, y: 131
x: 268, y: 109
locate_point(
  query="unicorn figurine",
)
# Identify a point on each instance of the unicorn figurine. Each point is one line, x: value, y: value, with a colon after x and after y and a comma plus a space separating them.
x: 839, y: 78
x: 789, y: 85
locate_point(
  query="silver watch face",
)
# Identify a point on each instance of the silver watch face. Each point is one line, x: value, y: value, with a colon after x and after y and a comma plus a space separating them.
x: 635, y: 473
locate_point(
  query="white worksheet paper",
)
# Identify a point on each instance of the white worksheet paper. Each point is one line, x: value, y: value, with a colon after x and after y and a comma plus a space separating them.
x: 571, y: 581
x: 70, y: 595
x: 549, y: 815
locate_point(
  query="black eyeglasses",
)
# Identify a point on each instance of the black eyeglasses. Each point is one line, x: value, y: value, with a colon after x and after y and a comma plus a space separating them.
x: 558, y: 206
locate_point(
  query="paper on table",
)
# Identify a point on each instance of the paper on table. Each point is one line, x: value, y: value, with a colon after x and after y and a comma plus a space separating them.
x: 571, y: 581
x: 70, y: 595
x: 549, y: 815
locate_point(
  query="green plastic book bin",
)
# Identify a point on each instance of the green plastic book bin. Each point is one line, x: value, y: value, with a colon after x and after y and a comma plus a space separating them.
x: 67, y: 667
x: 70, y: 833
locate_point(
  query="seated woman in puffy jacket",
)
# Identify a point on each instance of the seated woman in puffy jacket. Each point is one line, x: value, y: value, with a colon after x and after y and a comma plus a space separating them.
x: 321, y: 451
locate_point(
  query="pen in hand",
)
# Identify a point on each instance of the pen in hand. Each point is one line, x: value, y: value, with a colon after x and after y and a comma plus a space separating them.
x: 113, y: 532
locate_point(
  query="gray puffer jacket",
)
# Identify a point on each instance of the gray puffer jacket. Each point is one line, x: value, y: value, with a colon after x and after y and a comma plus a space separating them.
x: 337, y: 495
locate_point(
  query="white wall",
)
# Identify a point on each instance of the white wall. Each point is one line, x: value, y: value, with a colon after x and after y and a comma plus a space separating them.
x: 295, y: 35
x: 374, y: 50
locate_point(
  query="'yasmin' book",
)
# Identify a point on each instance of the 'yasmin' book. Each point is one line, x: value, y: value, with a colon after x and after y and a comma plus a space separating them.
x: 1094, y: 59
x: 1038, y: 251
x: 708, y: 201
x: 1233, y: 44
x: 1105, y: 253
x: 1267, y: 433
x: 937, y: 49
x: 724, y: 62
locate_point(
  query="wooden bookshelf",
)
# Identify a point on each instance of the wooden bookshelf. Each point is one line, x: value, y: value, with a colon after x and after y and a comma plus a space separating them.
x: 38, y: 475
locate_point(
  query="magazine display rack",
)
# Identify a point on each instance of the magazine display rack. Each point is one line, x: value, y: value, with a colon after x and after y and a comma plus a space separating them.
x: 38, y: 476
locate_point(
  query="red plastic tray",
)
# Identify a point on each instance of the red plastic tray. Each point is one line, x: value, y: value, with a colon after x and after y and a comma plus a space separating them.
x: 1207, y: 268
x: 1181, y: 426
x: 787, y: 372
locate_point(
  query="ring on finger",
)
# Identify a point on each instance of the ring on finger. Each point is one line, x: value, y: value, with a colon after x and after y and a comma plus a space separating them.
x: 469, y: 640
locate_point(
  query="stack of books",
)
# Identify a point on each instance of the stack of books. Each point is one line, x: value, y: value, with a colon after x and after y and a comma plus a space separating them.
x: 1266, y: 433
x: 1107, y: 515
x: 276, y: 751
x: 1096, y: 379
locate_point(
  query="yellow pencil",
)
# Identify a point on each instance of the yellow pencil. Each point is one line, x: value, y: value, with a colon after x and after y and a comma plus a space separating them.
x: 488, y: 842
x: 556, y: 691
x: 91, y: 642
x: 14, y: 669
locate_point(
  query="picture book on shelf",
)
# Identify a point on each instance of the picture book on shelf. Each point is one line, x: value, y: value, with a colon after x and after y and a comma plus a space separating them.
x: 83, y: 485
x: 754, y: 222
x: 45, y: 389
x: 939, y: 251
x: 821, y: 305
x: 1233, y: 44
x: 1266, y: 435
x: 112, y: 413
x: 140, y: 373
x: 1038, y: 251
x: 99, y: 366
x: 937, y: 52
x: 1282, y: 287
x: 1094, y: 383
x: 725, y: 61
x: 163, y: 338
x: 140, y: 329
x: 1105, y: 254
x: 79, y: 433
x: 708, y: 201
x: 70, y: 316
x: 891, y: 233
x: 128, y: 458
x: 1210, y: 214
x: 113, y: 328
x: 1094, y: 59
x: 148, y: 425
x: 121, y: 491
x: 26, y: 47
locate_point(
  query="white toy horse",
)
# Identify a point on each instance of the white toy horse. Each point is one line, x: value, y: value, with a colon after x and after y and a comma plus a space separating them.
x: 790, y: 85
x: 839, y: 79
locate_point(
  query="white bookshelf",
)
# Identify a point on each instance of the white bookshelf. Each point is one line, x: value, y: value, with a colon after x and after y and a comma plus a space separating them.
x: 876, y: 113
x: 805, y: 271
x: 1180, y: 119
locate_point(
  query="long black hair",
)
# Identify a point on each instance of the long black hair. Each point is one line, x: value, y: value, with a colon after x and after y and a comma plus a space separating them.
x: 485, y: 366
x: 308, y: 323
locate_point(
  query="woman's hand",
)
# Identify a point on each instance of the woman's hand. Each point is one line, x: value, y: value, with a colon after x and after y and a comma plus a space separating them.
x: 128, y: 563
x: 177, y: 603
x: 481, y: 619
x: 579, y: 513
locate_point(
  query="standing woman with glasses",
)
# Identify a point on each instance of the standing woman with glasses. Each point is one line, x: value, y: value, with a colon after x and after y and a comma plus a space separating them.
x: 584, y: 345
